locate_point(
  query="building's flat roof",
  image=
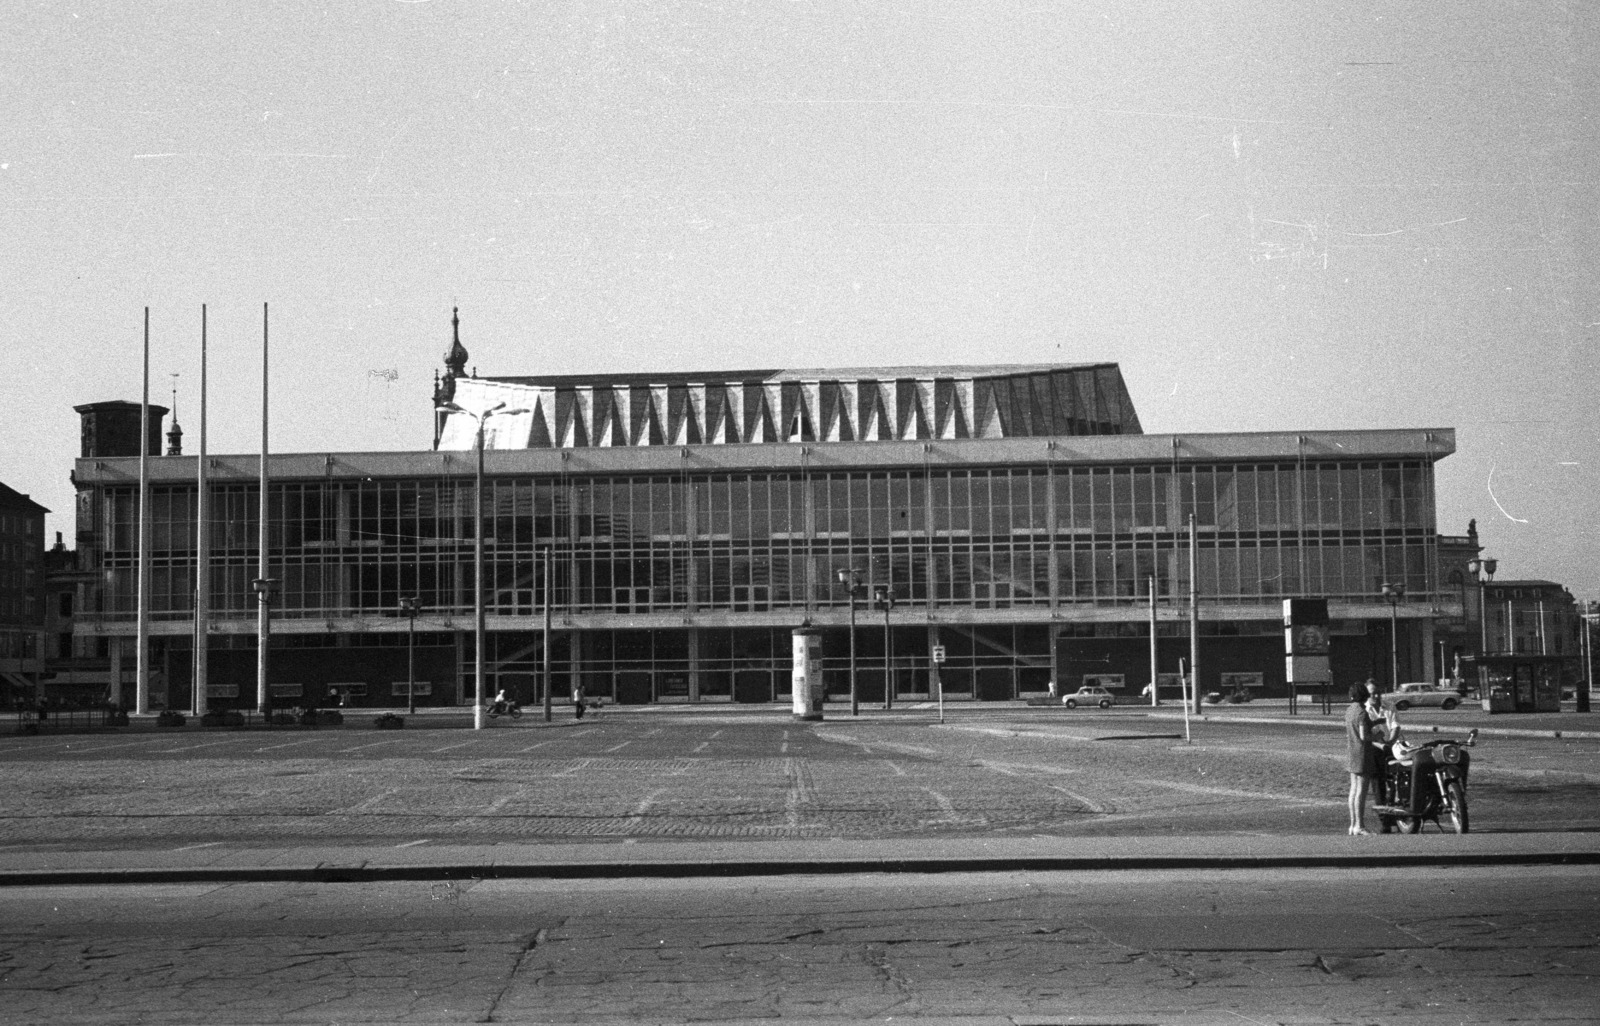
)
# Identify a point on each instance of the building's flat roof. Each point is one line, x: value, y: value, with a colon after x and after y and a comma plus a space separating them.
x: 1430, y: 444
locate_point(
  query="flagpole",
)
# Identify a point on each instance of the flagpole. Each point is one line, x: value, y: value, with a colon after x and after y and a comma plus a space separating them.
x: 262, y: 583
x: 141, y: 693
x: 202, y: 547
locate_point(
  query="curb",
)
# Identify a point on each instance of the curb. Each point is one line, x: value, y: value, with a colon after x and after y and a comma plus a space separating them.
x: 1339, y: 725
x: 329, y: 873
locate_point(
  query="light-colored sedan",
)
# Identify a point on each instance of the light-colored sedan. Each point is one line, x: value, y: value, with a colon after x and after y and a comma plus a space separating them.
x: 1421, y: 695
x: 1089, y: 696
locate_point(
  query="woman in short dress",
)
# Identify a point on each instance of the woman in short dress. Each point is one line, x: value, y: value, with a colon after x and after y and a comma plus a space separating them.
x: 1361, y: 755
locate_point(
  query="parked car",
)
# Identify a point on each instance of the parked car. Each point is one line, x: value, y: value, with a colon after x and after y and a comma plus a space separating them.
x: 1422, y: 695
x: 1089, y: 696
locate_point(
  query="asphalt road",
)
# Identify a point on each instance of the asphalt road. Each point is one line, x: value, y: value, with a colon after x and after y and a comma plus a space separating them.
x: 1307, y: 947
x: 728, y: 777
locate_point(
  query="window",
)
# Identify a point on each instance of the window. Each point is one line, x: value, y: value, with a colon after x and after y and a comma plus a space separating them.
x: 420, y: 687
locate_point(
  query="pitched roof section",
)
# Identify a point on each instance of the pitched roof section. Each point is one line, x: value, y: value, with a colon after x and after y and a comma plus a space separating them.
x: 12, y: 499
x: 756, y: 406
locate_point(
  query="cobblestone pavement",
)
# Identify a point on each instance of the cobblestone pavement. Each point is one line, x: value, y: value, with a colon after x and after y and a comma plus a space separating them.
x: 751, y: 776
x: 1359, y: 946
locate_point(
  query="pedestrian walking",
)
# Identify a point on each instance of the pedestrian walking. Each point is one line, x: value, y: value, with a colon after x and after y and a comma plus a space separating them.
x: 1361, y: 755
x: 577, y: 701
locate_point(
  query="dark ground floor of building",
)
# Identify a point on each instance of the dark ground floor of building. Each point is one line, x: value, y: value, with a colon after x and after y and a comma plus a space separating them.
x: 990, y: 662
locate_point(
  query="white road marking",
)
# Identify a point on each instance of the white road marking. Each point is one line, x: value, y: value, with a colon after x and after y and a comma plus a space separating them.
x: 574, y: 768
x: 897, y: 770
x: 797, y: 794
x: 446, y: 748
x: 413, y: 844
x: 702, y: 746
x: 533, y: 746
x: 617, y: 748
x: 951, y: 816
x: 287, y: 744
x: 188, y: 748
x: 192, y: 847
x: 365, y: 806
x: 1233, y: 792
x: 641, y: 809
x: 374, y: 744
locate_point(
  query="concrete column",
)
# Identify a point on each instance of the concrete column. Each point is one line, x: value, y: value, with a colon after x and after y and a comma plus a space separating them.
x: 694, y: 664
x: 115, y: 645
x: 1429, y: 653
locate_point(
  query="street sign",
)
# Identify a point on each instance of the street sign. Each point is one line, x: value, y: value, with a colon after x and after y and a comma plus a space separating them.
x: 938, y: 653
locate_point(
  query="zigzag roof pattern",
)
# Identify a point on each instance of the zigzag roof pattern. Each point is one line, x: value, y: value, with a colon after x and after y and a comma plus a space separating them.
x: 765, y: 406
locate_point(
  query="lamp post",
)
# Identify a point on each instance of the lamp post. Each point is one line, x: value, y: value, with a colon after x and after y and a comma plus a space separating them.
x: 1587, y: 619
x: 549, y: 602
x: 1394, y: 593
x: 263, y: 587
x: 410, y: 606
x: 477, y: 557
x: 851, y: 579
x: 1483, y: 571
x: 883, y: 595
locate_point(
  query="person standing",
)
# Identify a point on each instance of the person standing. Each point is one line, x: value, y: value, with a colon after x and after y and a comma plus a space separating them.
x: 1361, y: 756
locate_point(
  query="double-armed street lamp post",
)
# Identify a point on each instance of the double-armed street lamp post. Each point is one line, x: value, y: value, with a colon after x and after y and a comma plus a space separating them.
x: 1394, y: 593
x: 263, y: 587
x: 851, y: 579
x: 477, y: 558
x: 883, y: 595
x: 410, y: 606
x: 549, y: 602
x: 1483, y: 570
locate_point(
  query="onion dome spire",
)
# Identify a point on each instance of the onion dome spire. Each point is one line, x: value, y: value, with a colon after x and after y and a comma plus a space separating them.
x: 455, y: 360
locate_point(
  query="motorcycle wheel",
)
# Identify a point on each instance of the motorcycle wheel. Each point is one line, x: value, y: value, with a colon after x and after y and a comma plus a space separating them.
x: 1409, y: 824
x: 1455, y: 799
x: 516, y: 713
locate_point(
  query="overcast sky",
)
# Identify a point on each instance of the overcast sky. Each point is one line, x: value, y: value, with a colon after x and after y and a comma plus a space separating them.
x: 1274, y: 216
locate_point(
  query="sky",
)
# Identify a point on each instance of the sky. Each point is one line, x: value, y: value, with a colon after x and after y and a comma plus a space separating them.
x: 1319, y: 215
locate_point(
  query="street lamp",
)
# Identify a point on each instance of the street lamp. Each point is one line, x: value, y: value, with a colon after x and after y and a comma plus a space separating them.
x: 851, y: 579
x: 410, y: 607
x: 549, y: 602
x: 883, y: 595
x: 477, y: 556
x: 1483, y: 570
x: 1394, y: 594
x: 263, y: 587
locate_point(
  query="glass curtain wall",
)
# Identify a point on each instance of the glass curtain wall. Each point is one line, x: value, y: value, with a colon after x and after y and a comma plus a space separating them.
x: 990, y: 538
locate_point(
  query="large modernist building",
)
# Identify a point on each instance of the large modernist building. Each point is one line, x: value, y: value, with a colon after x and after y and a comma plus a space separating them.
x: 689, y: 522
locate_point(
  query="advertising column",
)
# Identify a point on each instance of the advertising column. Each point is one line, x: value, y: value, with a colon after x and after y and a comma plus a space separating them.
x: 806, y: 675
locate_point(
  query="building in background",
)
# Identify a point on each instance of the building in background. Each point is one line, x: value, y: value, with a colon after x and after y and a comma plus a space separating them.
x: 21, y: 598
x: 1018, y: 516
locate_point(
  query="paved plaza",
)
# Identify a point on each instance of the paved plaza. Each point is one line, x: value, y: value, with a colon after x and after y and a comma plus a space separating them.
x: 1008, y: 866
x: 737, y: 776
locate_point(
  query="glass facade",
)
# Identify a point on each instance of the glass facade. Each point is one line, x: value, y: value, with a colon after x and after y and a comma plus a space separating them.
x: 993, y: 538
